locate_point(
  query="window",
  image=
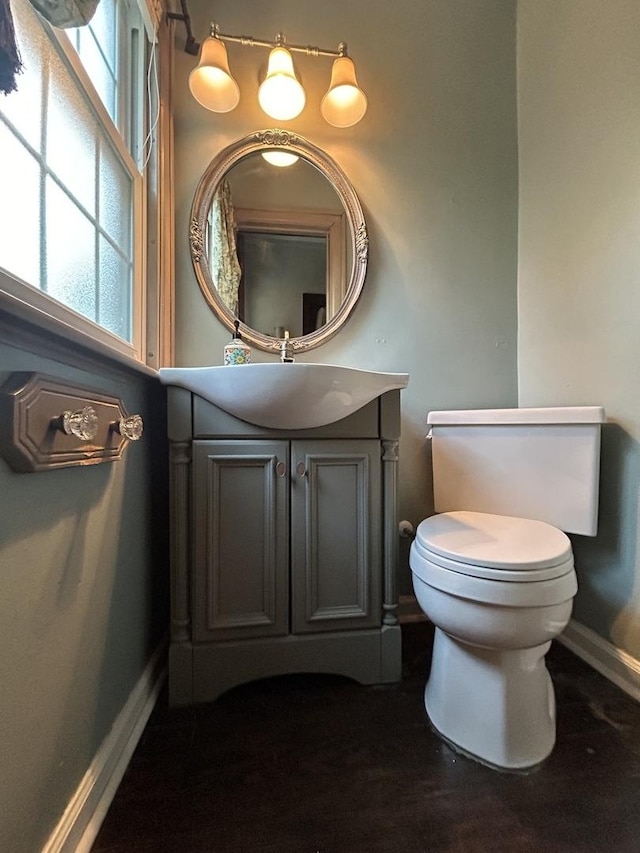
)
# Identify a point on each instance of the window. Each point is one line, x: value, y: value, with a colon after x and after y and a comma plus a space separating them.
x: 97, y: 47
x: 71, y: 201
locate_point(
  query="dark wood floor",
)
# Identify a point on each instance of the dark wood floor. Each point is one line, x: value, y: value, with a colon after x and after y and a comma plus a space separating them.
x: 308, y: 764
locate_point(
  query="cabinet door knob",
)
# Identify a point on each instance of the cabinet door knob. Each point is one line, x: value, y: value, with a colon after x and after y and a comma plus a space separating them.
x: 130, y: 427
x: 301, y: 469
x: 281, y: 468
x: 82, y: 423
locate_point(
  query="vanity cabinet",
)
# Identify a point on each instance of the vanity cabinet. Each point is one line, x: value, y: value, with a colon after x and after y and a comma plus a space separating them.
x: 284, y: 548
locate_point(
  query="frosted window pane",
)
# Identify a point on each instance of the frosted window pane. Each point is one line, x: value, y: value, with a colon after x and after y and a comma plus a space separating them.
x: 71, y: 272
x: 24, y: 107
x: 116, y: 188
x: 57, y: 207
x: 19, y: 210
x: 114, y: 303
x: 71, y: 138
x: 98, y: 71
x: 103, y: 25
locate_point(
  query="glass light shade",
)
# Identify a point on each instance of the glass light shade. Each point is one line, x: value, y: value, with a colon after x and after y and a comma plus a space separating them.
x: 281, y: 95
x: 345, y: 103
x: 280, y: 158
x: 211, y: 82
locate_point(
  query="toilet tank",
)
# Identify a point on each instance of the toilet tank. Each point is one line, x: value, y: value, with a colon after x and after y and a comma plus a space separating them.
x: 533, y: 463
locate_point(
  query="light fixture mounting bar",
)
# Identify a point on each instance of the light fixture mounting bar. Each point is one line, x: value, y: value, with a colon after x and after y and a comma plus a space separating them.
x: 250, y: 41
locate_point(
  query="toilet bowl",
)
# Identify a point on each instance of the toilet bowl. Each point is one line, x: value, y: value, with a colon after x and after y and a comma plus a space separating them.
x: 493, y: 570
x: 498, y: 591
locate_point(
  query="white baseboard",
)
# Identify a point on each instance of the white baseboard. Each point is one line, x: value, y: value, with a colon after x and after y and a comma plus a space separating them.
x: 616, y: 665
x: 78, y: 827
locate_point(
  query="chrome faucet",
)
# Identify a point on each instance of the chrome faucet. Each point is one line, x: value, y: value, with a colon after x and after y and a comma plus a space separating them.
x: 286, y: 349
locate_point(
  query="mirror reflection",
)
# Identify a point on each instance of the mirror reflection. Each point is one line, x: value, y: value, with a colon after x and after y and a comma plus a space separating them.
x: 277, y: 245
x: 281, y: 247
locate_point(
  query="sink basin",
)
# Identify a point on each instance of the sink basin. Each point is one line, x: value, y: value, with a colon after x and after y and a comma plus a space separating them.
x: 285, y: 396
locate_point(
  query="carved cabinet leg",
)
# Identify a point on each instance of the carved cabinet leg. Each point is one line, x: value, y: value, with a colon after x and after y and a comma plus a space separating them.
x: 180, y: 652
x: 389, y: 475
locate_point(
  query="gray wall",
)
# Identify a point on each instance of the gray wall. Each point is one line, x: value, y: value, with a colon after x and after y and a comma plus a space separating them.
x: 579, y: 265
x: 83, y: 576
x: 434, y: 162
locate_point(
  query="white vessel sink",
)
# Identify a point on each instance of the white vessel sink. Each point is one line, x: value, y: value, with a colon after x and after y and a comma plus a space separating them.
x: 285, y: 396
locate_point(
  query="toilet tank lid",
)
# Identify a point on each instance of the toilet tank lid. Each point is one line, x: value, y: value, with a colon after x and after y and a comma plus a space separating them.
x: 548, y: 415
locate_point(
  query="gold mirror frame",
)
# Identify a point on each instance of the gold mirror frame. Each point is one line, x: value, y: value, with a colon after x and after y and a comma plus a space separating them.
x: 284, y: 140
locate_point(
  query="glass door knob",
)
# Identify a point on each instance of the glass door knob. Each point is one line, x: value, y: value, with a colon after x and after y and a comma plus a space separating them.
x: 130, y: 427
x: 82, y: 423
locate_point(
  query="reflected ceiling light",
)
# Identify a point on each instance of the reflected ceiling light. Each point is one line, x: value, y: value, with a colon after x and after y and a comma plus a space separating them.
x: 281, y: 94
x: 280, y: 158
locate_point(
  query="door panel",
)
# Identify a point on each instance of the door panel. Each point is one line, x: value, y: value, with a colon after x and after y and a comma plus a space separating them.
x: 241, y: 532
x: 335, y: 558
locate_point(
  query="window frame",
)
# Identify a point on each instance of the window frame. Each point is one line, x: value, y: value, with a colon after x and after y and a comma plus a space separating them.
x: 31, y: 303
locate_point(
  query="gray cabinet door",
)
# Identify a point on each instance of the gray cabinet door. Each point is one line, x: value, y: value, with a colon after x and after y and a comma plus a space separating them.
x: 241, y: 539
x: 335, y: 517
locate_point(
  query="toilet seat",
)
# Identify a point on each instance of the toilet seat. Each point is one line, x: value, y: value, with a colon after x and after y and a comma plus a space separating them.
x: 483, y: 557
x: 499, y: 542
x: 518, y: 576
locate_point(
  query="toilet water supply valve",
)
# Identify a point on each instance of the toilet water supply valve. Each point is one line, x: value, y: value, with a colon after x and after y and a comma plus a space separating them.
x: 406, y: 529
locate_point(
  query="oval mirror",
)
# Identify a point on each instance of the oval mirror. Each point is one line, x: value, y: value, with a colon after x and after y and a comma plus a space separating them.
x: 278, y: 240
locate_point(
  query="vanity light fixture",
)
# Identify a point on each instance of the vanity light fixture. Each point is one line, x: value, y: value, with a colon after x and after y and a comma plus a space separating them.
x: 281, y: 95
x: 345, y: 103
x: 210, y: 82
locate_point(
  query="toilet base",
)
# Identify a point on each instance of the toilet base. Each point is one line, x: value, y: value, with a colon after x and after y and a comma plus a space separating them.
x: 494, y: 705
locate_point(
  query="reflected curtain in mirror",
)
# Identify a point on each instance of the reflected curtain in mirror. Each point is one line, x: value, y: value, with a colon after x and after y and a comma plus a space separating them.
x: 223, y: 254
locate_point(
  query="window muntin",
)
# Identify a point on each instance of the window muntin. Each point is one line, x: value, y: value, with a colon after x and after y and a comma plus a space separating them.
x: 97, y: 47
x: 71, y: 192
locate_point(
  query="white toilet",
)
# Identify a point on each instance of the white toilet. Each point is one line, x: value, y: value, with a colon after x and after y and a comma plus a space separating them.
x: 494, y: 573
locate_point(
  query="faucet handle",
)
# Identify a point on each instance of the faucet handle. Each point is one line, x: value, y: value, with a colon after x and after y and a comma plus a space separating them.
x: 286, y: 349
